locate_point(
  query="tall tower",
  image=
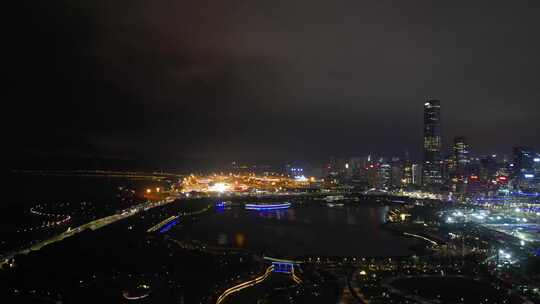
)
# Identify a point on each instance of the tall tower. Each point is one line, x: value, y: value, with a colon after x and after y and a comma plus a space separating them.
x: 523, y: 160
x: 432, y: 167
x: 461, y: 154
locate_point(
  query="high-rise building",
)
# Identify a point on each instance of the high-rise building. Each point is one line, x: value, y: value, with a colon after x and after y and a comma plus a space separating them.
x: 536, y: 165
x: 461, y: 155
x: 432, y: 166
x: 407, y: 174
x: 449, y: 168
x: 397, y: 172
x: 525, y: 169
x: 488, y: 167
x: 385, y: 175
x: 523, y: 160
x: 416, y: 174
x: 373, y: 176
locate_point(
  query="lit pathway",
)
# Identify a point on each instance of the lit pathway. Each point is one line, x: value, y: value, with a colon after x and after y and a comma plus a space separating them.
x: 93, y: 225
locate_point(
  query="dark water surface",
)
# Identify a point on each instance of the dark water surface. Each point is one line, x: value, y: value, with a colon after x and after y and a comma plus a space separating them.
x: 302, y: 230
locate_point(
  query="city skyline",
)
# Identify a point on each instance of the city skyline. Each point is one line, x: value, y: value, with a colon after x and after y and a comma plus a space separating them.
x: 287, y: 151
x: 432, y: 138
x: 157, y: 84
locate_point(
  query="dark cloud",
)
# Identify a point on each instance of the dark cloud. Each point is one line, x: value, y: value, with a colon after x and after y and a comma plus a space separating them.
x: 268, y: 80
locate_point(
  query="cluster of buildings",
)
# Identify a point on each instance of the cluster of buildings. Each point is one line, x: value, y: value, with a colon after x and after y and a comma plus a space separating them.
x: 247, y: 183
x: 458, y: 171
x: 454, y: 171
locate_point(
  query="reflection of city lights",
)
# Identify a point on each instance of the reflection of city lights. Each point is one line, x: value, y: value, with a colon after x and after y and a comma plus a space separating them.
x: 240, y: 239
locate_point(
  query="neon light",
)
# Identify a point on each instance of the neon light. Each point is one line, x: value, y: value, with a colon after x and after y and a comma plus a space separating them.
x: 262, y: 207
x: 168, y: 226
x: 529, y: 175
x: 221, y: 204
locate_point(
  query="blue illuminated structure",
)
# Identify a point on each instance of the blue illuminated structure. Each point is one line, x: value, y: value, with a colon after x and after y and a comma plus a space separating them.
x: 221, y: 204
x: 283, y: 267
x: 168, y: 226
x: 266, y: 207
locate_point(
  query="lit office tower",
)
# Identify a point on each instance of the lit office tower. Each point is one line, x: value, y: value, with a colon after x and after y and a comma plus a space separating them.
x: 523, y: 160
x: 536, y: 161
x: 416, y: 174
x: 461, y: 155
x: 385, y: 176
x: 432, y: 167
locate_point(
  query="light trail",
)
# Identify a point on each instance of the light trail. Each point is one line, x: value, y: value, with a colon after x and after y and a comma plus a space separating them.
x: 93, y: 225
x: 295, y: 278
x: 244, y: 285
x: 421, y: 237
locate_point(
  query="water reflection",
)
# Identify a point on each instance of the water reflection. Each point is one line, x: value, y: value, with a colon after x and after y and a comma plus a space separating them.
x: 240, y: 239
x: 303, y: 230
x: 351, y: 218
x: 222, y: 239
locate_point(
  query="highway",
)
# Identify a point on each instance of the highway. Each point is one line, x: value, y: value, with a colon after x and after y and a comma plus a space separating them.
x: 93, y: 225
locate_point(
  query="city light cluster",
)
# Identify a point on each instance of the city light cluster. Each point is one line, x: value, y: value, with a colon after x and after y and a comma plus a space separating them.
x: 244, y: 183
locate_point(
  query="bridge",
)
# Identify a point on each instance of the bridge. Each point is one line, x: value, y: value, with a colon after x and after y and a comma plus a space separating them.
x: 285, y: 266
x: 164, y: 225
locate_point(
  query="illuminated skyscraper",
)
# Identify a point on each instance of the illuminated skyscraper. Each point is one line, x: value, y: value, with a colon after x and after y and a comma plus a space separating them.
x: 525, y: 167
x: 432, y: 167
x: 385, y: 176
x: 536, y: 162
x: 416, y: 174
x: 461, y: 155
x: 523, y: 160
x: 407, y: 174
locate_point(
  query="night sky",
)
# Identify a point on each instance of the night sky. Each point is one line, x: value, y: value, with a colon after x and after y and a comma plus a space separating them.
x: 179, y: 82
